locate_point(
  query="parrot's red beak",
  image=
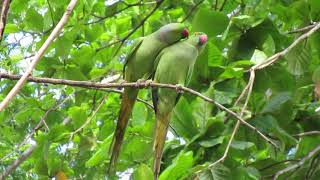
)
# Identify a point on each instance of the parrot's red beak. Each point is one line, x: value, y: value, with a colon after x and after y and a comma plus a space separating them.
x: 203, y: 39
x: 185, y: 33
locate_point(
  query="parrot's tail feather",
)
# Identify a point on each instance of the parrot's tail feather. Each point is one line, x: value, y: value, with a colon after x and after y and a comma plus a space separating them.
x: 127, y: 103
x: 159, y: 141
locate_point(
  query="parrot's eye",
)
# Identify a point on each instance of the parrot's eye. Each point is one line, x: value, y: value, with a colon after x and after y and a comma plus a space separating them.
x: 203, y: 39
x: 185, y: 33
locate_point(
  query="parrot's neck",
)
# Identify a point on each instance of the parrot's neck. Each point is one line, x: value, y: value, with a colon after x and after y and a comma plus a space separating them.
x: 162, y: 38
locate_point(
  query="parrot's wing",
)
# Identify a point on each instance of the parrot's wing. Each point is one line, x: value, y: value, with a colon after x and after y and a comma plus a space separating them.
x: 155, y: 90
x: 156, y: 62
x: 186, y: 82
x: 155, y: 99
x: 134, y: 47
x: 189, y: 75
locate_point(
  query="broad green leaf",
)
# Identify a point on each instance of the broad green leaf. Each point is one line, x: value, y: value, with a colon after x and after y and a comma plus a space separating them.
x: 143, y: 172
x: 276, y: 102
x: 180, y: 166
x: 214, y: 55
x: 182, y: 119
x: 34, y: 20
x: 100, y: 154
x: 316, y: 75
x: 258, y: 57
x: 212, y: 142
x: 241, y: 145
x: 11, y: 28
x: 139, y: 114
x: 299, y: 58
x: 217, y: 172
x: 205, y: 16
x: 78, y: 114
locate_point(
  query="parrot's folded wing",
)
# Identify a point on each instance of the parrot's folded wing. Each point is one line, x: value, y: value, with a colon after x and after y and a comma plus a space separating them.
x: 134, y: 47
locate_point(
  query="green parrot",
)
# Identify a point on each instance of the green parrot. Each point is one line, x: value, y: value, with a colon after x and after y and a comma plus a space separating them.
x: 138, y: 66
x: 175, y: 66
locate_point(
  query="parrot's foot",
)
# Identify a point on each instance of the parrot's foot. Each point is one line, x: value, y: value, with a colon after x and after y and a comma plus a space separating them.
x: 121, y: 82
x: 148, y: 83
x: 140, y: 83
x: 179, y: 88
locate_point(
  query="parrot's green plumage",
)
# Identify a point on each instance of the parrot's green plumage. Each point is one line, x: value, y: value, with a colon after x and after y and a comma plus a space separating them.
x: 175, y: 66
x: 139, y: 65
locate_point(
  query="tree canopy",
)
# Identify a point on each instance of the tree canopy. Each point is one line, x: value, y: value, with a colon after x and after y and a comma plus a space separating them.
x: 251, y: 110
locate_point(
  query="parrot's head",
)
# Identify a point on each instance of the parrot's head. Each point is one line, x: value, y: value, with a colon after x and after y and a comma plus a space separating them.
x: 172, y: 33
x: 198, y: 40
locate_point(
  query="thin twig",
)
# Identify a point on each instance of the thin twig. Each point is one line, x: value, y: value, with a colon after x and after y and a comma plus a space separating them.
x: 223, y: 4
x: 112, y: 15
x: 304, y: 29
x: 299, y: 164
x: 89, y: 119
x: 309, y: 133
x: 277, y: 56
x: 38, y: 55
x: 235, y: 129
x: 192, y: 10
x: 17, y: 162
x: 122, y: 40
x: 277, y: 163
x: 313, y: 166
x: 248, y: 89
x: 37, y: 127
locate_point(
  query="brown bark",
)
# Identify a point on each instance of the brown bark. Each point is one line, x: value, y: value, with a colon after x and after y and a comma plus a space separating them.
x: 3, y: 17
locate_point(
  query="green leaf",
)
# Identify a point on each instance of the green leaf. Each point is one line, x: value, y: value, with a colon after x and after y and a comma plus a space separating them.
x: 214, y: 55
x: 276, y: 102
x: 316, y: 75
x: 241, y: 145
x: 78, y: 114
x: 182, y: 119
x: 100, y: 154
x: 246, y: 21
x: 299, y: 59
x: 205, y: 16
x: 212, y: 142
x: 258, y: 56
x: 11, y: 28
x: 179, y: 167
x: 217, y: 172
x: 139, y: 114
x: 34, y: 20
x: 143, y: 172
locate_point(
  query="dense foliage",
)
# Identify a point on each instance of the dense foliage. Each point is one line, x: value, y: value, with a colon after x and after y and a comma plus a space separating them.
x: 241, y: 34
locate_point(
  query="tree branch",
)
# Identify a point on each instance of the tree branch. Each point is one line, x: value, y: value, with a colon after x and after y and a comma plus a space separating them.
x: 301, y: 30
x: 17, y: 162
x: 38, y: 55
x: 93, y: 85
x: 248, y: 89
x: 29, y: 151
x: 300, y: 163
x: 3, y: 16
x: 309, y: 133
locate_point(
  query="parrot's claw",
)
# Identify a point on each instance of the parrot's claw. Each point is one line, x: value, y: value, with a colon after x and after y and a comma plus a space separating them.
x: 179, y: 88
x: 122, y: 81
x: 139, y: 83
x: 148, y: 82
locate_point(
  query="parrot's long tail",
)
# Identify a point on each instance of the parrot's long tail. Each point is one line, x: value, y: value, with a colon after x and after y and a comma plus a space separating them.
x: 127, y: 103
x: 159, y: 140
